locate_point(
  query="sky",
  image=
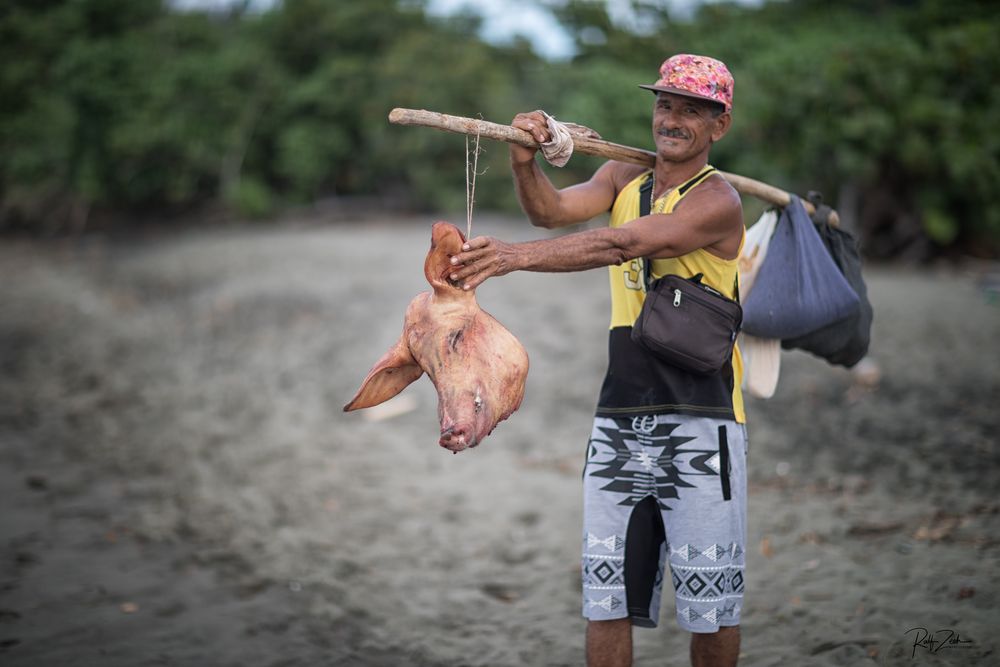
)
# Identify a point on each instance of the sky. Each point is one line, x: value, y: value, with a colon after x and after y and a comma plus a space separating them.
x: 505, y: 19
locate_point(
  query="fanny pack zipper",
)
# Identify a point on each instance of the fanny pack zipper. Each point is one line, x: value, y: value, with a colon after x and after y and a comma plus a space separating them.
x: 679, y: 295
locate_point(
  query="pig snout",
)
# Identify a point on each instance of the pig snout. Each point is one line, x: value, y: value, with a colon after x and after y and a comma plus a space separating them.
x: 458, y: 437
x: 464, y: 422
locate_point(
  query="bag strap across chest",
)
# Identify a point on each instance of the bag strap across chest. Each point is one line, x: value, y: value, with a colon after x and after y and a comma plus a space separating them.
x: 645, y: 206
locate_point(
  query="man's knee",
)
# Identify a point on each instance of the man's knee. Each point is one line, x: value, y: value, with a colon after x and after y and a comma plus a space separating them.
x: 609, y: 643
x: 716, y: 649
x: 617, y: 631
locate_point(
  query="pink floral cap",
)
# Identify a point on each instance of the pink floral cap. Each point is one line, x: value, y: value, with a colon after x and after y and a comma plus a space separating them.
x: 696, y: 76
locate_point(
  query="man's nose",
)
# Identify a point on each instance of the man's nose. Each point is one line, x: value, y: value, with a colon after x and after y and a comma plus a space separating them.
x: 672, y: 117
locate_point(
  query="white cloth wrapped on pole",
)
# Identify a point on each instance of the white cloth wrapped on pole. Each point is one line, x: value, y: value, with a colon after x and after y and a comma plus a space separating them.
x: 559, y: 148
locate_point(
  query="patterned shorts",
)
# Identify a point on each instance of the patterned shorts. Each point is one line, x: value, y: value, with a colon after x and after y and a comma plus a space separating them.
x: 665, y: 488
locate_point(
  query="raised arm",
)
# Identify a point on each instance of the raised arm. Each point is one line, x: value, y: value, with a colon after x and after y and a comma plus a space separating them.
x: 544, y: 205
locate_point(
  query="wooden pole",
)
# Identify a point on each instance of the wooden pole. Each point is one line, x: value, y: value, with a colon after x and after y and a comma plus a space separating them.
x: 584, y: 145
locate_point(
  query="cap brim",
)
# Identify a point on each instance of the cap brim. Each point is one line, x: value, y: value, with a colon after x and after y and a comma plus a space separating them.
x: 685, y: 93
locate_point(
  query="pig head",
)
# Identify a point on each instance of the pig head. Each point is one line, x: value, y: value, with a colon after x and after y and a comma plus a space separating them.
x: 477, y: 366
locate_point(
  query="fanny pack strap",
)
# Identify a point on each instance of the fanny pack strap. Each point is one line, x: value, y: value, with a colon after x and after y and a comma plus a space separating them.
x: 645, y: 193
x: 645, y: 190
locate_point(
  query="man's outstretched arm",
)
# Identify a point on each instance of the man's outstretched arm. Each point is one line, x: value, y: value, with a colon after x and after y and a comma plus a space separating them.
x: 710, y: 218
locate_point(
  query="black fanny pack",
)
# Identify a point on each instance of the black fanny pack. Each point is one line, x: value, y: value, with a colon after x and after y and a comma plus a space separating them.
x: 684, y: 322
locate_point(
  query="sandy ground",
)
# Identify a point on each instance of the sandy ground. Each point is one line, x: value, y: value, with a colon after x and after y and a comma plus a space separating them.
x: 180, y: 487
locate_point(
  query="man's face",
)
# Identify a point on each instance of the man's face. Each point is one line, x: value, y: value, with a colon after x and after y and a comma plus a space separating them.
x: 684, y: 127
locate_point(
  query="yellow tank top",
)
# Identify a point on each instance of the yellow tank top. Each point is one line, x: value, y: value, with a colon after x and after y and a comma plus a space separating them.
x: 626, y: 280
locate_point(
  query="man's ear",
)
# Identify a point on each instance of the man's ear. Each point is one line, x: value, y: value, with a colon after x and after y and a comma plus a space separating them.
x: 722, y: 125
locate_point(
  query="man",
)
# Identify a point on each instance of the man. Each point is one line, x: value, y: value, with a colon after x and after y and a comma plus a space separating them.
x: 665, y: 474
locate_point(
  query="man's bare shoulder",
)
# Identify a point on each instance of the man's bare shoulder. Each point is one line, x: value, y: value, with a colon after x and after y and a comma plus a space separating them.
x: 724, y: 197
x: 621, y: 174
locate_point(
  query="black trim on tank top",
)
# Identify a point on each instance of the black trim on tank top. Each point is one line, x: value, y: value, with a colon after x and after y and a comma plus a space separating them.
x: 695, y: 181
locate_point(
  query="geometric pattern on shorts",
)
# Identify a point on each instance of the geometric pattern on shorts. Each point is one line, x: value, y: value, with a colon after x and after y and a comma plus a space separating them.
x: 704, y: 588
x: 603, y: 573
x: 608, y: 603
x: 713, y: 552
x: 611, y: 542
x: 714, y: 615
x: 706, y: 584
x: 663, y: 457
x: 658, y: 468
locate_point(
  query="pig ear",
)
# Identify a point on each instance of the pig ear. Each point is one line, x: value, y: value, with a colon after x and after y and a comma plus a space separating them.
x: 446, y: 240
x: 388, y: 377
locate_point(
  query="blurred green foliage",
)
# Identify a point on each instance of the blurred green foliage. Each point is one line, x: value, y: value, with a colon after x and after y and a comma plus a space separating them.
x: 889, y: 108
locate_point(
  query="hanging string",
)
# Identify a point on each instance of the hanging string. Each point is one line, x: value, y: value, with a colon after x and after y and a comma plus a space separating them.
x: 471, y: 167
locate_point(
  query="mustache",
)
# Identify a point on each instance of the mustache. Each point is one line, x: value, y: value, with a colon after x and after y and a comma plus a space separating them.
x: 672, y: 134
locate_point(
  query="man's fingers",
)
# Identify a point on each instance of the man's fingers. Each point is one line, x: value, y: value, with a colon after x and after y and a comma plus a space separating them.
x: 458, y: 274
x: 467, y: 264
x: 477, y: 242
x: 465, y: 258
x: 535, y: 124
x: 477, y: 278
x: 471, y: 250
x: 469, y: 270
x: 480, y: 258
x: 469, y: 277
x: 540, y: 133
x: 536, y: 132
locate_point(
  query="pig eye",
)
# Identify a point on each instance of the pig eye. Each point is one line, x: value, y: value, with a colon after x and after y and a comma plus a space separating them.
x: 478, y: 403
